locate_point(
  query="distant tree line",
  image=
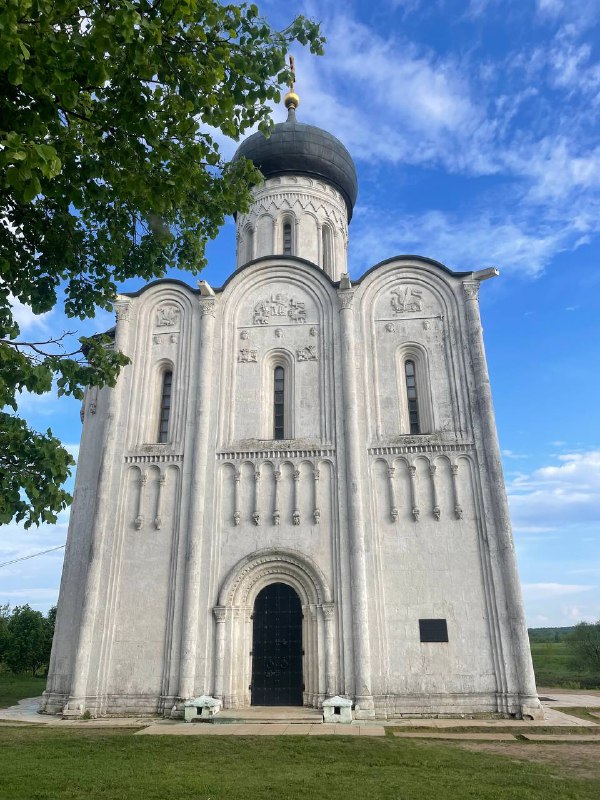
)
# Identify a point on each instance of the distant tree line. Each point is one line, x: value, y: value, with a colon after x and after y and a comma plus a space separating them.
x: 25, y: 638
x: 548, y: 635
x: 584, y: 644
x: 568, y: 657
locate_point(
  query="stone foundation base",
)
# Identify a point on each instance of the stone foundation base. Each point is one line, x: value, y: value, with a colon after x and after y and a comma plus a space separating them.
x: 379, y: 707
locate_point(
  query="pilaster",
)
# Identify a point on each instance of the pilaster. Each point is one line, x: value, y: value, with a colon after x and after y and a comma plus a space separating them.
x: 103, y: 519
x: 519, y: 642
x: 354, y: 490
x: 191, y: 603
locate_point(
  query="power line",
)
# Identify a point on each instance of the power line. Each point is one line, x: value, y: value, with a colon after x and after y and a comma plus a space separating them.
x: 24, y: 558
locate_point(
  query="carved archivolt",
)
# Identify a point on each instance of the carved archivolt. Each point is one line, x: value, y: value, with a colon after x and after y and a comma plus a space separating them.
x: 265, y: 564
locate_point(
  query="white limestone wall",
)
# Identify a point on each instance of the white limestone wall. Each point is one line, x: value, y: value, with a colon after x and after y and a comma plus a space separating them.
x: 375, y: 528
x: 77, y: 552
x: 318, y: 217
x: 435, y: 538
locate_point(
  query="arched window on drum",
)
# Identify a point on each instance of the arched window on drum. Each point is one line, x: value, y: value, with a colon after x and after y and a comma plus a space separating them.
x: 287, y: 236
x: 327, y: 249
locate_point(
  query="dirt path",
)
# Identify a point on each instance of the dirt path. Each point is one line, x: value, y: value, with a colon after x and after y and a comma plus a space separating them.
x: 578, y: 760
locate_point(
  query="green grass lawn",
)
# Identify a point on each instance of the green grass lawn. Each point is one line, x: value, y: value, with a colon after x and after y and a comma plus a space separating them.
x: 553, y: 667
x: 15, y: 687
x: 50, y: 764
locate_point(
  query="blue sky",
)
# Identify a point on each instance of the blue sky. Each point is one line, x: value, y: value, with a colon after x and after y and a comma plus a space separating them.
x: 474, y: 131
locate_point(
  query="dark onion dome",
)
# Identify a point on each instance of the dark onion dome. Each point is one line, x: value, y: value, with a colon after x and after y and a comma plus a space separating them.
x: 294, y: 148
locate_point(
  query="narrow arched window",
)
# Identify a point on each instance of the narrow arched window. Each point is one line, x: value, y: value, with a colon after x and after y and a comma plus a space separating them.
x: 165, y: 407
x: 287, y: 238
x: 249, y: 244
x: 326, y: 245
x: 411, y: 396
x: 278, y: 403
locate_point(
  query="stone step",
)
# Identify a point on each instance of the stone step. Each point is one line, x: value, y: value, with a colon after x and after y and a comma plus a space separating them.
x: 268, y: 715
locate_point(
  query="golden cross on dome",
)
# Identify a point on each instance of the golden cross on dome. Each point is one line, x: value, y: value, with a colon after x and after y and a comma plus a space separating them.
x: 291, y: 100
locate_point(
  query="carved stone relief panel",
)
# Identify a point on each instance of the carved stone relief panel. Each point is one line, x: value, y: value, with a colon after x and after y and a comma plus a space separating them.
x: 167, y: 315
x: 166, y: 321
x: 247, y: 355
x: 277, y: 305
x: 406, y: 299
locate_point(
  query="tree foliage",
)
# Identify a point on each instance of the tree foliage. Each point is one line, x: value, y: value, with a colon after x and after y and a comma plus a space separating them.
x: 26, y: 638
x: 109, y: 169
x: 584, y: 644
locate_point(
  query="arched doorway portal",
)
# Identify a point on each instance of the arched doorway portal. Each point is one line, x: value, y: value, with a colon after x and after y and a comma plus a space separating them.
x: 277, y: 647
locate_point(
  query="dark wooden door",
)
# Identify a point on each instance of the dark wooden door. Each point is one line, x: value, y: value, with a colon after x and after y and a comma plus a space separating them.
x: 277, y: 647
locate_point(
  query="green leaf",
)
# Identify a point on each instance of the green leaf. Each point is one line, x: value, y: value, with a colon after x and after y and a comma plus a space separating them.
x: 105, y: 176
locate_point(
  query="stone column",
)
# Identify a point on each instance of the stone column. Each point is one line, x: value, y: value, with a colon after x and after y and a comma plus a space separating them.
x: 356, y: 524
x: 220, y: 613
x: 330, y: 659
x: 104, y: 518
x: 519, y: 644
x: 191, y: 599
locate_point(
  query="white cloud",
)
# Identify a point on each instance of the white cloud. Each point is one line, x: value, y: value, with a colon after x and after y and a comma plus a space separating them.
x: 27, y: 320
x: 554, y: 589
x: 421, y: 101
x: 552, y: 8
x: 35, y: 581
x: 460, y: 242
x: 559, y: 494
x: 512, y: 454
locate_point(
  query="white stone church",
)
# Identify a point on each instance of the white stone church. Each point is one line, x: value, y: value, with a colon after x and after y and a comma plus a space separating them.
x: 295, y: 489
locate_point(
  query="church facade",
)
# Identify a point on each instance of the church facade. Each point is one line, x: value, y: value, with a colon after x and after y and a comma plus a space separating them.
x: 295, y: 489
